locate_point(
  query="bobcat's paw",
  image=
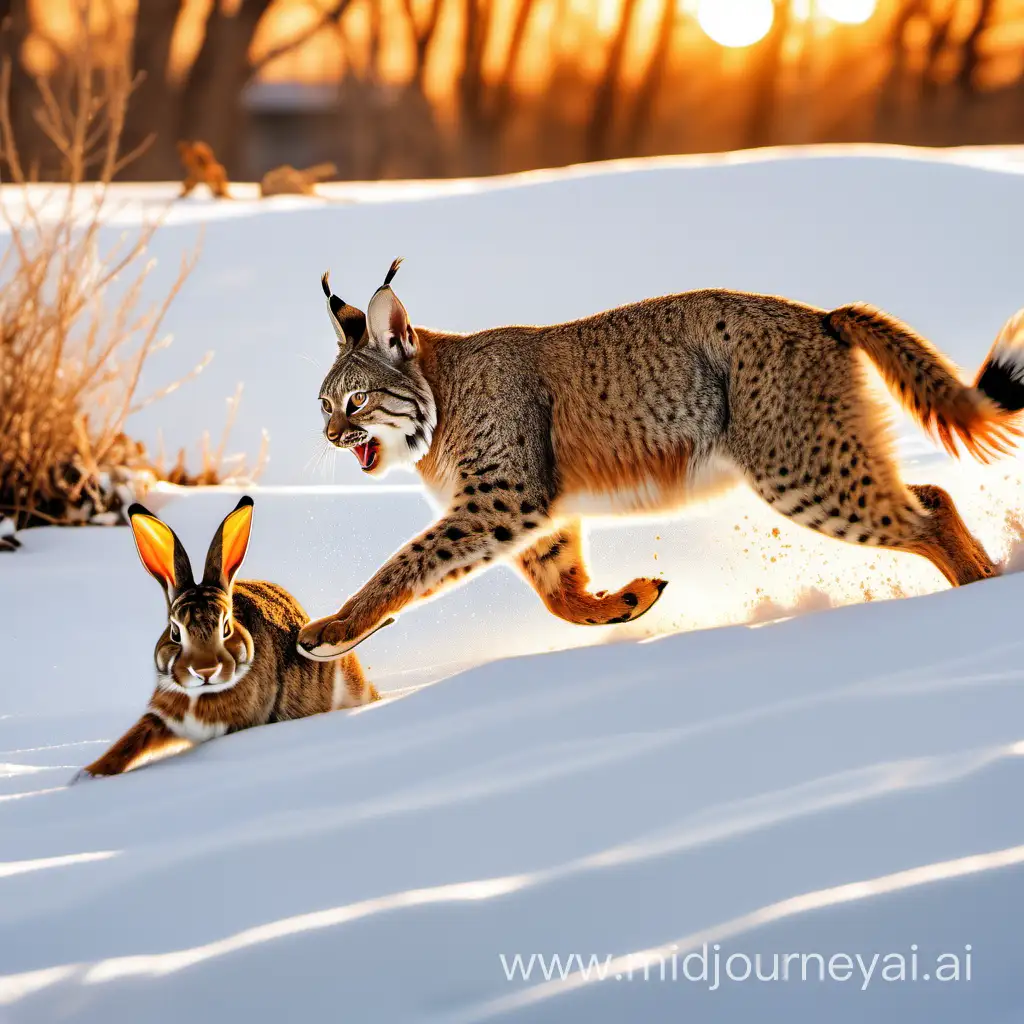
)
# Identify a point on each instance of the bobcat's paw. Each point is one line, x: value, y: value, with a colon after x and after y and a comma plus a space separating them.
x: 625, y: 605
x: 335, y: 635
x: 632, y: 601
x: 604, y: 609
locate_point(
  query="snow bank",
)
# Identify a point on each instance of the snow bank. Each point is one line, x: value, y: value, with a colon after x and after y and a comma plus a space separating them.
x: 719, y: 785
x: 803, y: 780
x: 927, y: 235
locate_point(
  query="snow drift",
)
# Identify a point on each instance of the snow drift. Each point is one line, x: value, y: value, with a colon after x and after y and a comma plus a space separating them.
x: 810, y: 780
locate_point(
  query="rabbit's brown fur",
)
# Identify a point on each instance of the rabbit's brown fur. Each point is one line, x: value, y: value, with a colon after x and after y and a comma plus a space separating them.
x: 520, y: 431
x: 276, y: 687
x: 234, y: 664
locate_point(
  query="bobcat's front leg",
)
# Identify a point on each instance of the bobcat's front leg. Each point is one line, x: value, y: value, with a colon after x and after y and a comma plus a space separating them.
x: 147, y: 736
x: 554, y: 568
x: 479, y: 528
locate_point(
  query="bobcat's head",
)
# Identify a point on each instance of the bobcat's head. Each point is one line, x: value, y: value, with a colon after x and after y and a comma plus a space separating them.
x: 375, y: 399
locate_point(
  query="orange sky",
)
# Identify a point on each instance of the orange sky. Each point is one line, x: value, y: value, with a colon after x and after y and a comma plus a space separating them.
x: 321, y: 58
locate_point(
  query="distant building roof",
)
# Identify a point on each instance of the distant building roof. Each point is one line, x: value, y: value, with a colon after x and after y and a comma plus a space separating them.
x: 271, y: 97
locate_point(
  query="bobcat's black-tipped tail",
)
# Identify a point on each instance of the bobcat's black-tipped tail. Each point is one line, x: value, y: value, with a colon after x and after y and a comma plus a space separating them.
x: 1001, y: 377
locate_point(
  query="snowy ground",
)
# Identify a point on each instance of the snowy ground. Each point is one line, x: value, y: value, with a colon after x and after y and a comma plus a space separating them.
x: 839, y: 782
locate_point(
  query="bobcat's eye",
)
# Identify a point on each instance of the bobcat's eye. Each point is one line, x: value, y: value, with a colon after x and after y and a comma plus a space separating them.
x: 227, y: 628
x: 357, y: 400
x: 175, y: 633
x: 325, y: 404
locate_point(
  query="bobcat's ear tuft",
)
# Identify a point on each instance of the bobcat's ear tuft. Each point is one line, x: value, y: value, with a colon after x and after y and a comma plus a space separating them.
x: 160, y: 551
x: 387, y: 322
x: 229, y: 545
x: 395, y: 264
x: 348, y: 322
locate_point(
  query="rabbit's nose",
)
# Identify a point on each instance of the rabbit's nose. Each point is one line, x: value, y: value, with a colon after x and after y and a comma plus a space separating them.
x: 206, y: 674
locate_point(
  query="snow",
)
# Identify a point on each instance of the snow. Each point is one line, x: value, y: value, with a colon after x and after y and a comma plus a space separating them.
x: 822, y: 774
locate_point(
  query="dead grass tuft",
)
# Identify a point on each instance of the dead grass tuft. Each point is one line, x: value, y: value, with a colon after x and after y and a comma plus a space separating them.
x: 75, y: 332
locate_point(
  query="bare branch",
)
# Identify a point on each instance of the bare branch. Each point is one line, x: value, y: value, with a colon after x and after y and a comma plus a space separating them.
x: 328, y: 16
x: 75, y: 333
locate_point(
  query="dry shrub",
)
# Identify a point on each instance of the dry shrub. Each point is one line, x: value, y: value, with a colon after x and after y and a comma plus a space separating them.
x: 216, y: 465
x: 74, y: 331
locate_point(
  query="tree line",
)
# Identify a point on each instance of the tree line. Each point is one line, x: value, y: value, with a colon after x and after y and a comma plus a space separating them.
x: 498, y: 85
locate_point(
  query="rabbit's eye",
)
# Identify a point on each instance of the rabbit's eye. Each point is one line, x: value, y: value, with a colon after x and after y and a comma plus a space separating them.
x: 175, y: 633
x: 227, y: 628
x: 357, y: 400
x: 325, y: 404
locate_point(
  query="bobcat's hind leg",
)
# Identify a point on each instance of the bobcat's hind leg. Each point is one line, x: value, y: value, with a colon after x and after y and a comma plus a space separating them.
x: 856, y: 495
x: 947, y: 543
x: 554, y: 568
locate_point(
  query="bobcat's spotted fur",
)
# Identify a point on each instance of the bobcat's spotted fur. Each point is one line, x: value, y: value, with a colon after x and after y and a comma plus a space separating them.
x: 519, y: 431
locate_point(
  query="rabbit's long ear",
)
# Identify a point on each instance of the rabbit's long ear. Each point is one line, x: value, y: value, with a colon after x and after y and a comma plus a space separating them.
x: 230, y: 542
x: 161, y: 552
x: 388, y: 323
x: 348, y: 322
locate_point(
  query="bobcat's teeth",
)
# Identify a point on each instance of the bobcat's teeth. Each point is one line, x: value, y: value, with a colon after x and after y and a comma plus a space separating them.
x: 367, y: 454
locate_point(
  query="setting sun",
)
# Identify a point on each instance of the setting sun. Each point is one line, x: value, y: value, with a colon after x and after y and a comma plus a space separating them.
x: 735, y: 22
x: 850, y: 12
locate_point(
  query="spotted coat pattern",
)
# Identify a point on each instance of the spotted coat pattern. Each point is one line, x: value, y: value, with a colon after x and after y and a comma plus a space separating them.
x: 645, y: 407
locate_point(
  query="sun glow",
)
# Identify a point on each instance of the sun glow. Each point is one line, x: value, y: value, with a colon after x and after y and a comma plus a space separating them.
x: 736, y: 22
x: 849, y: 12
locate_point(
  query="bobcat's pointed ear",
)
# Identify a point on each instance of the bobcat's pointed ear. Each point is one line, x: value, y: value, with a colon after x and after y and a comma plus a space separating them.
x: 348, y: 322
x: 227, y: 550
x: 387, y: 322
x: 161, y: 552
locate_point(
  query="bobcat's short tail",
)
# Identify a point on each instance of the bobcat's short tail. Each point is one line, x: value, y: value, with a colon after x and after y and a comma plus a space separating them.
x: 983, y: 417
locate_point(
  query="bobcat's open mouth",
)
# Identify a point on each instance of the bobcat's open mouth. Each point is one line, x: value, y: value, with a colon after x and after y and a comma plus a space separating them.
x: 367, y: 454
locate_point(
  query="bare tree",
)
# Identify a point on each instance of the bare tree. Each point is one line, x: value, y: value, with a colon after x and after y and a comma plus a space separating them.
x: 911, y: 86
x: 154, y: 105
x: 971, y: 56
x: 602, y: 112
x: 890, y: 94
x: 75, y: 332
x: 485, y: 103
x: 504, y: 87
x: 208, y: 104
x: 36, y: 155
x: 653, y: 80
x: 764, y: 79
x: 211, y: 101
x: 940, y: 27
x: 422, y: 36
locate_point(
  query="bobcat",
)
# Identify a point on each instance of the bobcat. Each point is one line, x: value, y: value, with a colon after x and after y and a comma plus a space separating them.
x: 520, y: 431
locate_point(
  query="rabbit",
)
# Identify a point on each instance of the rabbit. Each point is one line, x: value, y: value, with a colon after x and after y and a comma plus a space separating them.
x: 227, y: 658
